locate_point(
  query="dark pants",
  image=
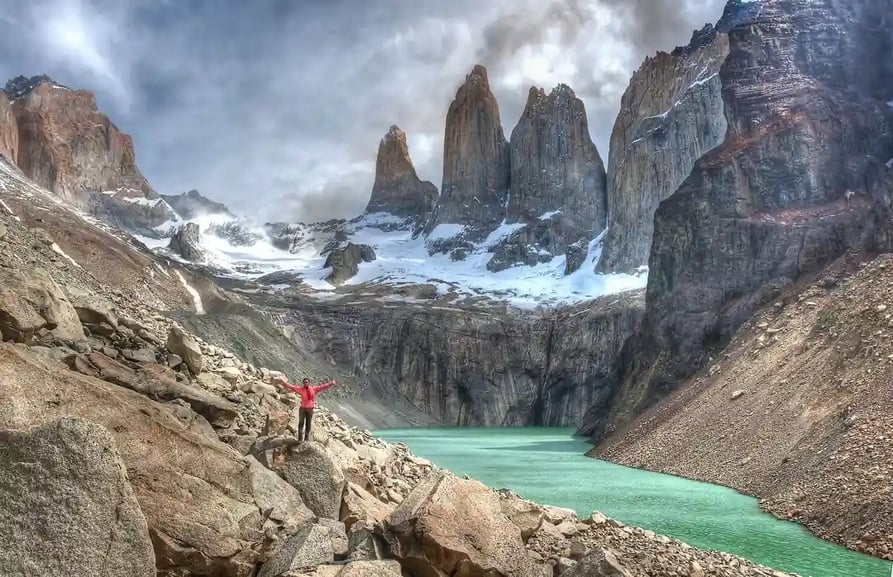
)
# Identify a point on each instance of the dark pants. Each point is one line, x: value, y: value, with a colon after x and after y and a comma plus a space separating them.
x: 305, y: 419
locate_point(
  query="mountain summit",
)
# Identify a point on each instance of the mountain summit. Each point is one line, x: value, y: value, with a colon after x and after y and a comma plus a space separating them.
x: 398, y: 189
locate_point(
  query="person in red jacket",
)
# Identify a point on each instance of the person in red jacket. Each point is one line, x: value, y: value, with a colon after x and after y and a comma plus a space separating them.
x: 307, y: 392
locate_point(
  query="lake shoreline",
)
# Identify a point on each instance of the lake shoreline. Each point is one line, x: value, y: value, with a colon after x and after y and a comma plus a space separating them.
x: 787, y: 530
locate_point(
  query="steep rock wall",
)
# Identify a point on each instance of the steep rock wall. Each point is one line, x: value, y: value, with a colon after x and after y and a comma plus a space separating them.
x: 802, y: 176
x: 9, y: 132
x: 66, y: 145
x: 475, y: 157
x: 477, y: 366
x: 670, y: 115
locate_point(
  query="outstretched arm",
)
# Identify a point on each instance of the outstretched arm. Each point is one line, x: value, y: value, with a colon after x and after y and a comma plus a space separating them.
x: 287, y: 385
x: 324, y: 386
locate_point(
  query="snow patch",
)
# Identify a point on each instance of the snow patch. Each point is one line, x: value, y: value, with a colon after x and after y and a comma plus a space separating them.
x: 196, y: 297
x: 890, y: 103
x: 550, y: 214
x: 446, y: 231
x: 58, y: 250
x: 142, y: 201
x: 703, y: 81
x: 890, y: 163
x: 502, y: 232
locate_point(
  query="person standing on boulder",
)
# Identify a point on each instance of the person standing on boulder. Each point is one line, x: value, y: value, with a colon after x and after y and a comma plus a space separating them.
x: 307, y: 392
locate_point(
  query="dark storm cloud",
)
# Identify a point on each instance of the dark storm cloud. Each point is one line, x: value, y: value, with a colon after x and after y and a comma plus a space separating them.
x: 277, y: 107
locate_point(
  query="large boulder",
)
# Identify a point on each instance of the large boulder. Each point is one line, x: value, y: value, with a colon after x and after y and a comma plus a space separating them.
x: 186, y: 242
x: 316, y: 476
x: 208, y: 510
x: 156, y: 382
x: 599, y: 563
x: 456, y: 527
x: 91, y: 308
x: 18, y: 319
x: 66, y: 506
x: 345, y: 261
x: 41, y: 293
x: 309, y: 547
x: 184, y: 346
x: 526, y: 515
x: 359, y: 505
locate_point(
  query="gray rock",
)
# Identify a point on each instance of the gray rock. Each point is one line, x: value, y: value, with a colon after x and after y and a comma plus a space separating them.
x: 652, y: 153
x: 344, y: 261
x: 476, y: 158
x: 316, y: 476
x: 18, y: 319
x: 276, y: 498
x: 3, y: 230
x: 183, y: 345
x: 364, y: 543
x: 96, y: 529
x: 36, y: 289
x: 186, y: 242
x: 309, y: 547
x: 139, y: 355
x: 556, y: 167
x: 387, y: 568
x: 92, y: 309
x: 599, y: 563
x: 339, y: 537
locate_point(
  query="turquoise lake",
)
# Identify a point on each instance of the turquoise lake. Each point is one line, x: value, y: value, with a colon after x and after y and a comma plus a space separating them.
x: 549, y: 466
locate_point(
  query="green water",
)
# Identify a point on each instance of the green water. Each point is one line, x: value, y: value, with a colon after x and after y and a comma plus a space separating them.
x: 549, y: 466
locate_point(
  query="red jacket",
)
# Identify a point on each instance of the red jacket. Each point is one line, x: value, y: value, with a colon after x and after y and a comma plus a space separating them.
x: 308, y: 394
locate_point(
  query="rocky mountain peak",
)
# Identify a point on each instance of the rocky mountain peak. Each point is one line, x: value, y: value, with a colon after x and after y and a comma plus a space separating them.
x: 398, y: 189
x: 191, y: 204
x: 476, y: 157
x: 21, y: 86
x: 556, y: 170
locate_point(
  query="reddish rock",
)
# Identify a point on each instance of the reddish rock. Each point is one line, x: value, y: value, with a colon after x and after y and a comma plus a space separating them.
x: 66, y: 145
x: 9, y: 132
x: 398, y: 189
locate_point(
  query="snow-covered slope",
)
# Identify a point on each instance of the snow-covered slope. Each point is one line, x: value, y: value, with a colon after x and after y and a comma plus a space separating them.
x: 402, y: 258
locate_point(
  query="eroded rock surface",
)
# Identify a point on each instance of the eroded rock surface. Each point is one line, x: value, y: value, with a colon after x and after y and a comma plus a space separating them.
x: 95, y: 528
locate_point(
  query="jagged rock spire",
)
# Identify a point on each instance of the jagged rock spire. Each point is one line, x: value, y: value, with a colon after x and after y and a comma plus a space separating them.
x: 476, y: 156
x: 398, y: 189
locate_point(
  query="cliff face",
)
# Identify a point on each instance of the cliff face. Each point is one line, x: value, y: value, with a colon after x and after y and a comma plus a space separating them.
x: 557, y: 180
x: 398, y: 189
x: 475, y: 157
x: 67, y: 146
x: 670, y: 115
x: 469, y: 366
x: 800, y: 177
x: 9, y: 132
x: 555, y: 164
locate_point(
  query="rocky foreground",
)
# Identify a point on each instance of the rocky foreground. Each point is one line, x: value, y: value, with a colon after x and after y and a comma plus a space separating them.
x: 131, y: 447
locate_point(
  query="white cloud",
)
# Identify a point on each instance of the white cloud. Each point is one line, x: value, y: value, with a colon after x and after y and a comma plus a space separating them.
x: 277, y: 107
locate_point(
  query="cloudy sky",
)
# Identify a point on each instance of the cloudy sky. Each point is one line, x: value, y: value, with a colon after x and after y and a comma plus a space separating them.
x: 276, y: 107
